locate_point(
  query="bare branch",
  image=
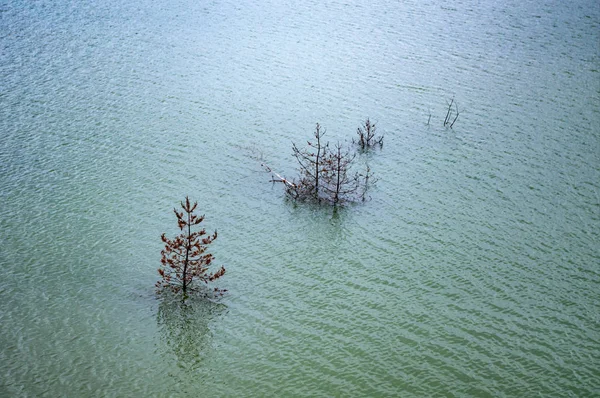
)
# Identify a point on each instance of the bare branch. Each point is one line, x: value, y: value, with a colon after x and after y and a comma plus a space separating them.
x: 456, y: 117
x: 449, y: 112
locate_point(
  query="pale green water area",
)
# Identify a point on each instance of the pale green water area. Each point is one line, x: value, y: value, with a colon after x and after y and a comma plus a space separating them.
x: 473, y: 271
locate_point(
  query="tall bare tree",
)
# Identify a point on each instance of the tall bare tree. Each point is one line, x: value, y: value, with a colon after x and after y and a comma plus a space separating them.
x: 310, y: 162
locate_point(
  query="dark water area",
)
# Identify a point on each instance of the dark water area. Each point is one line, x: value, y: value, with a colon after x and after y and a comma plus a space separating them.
x: 473, y: 270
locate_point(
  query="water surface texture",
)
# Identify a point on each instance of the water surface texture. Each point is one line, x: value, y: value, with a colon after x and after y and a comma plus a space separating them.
x: 473, y: 270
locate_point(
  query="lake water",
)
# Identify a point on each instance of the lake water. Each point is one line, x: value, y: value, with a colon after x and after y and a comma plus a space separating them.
x: 473, y: 270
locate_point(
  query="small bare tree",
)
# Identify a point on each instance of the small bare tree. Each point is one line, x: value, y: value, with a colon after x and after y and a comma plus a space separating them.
x: 310, y: 162
x: 367, y: 137
x: 339, y: 183
x: 184, y: 259
x: 449, y: 114
x: 326, y: 174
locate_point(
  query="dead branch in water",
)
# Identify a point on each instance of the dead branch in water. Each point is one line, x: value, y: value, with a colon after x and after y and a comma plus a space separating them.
x: 456, y: 117
x: 280, y: 178
x: 450, y: 113
x: 366, y: 135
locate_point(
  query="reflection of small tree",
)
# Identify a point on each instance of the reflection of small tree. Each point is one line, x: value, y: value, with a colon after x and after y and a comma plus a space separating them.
x: 185, y: 328
x: 184, y: 259
x: 367, y: 137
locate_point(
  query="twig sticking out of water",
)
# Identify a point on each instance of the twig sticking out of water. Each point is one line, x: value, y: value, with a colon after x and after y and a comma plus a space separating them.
x: 449, y: 114
x: 280, y: 178
x: 449, y: 111
x: 366, y: 136
x: 456, y: 117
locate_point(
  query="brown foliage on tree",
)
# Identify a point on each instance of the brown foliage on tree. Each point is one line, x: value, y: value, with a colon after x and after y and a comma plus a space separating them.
x: 184, y: 258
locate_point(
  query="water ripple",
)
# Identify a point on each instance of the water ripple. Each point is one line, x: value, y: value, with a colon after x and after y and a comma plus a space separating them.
x: 472, y: 271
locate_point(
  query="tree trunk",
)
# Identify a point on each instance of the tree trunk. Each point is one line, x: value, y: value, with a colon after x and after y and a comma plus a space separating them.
x: 187, y: 253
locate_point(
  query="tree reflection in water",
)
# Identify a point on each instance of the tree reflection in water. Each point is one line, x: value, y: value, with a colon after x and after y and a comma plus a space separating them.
x: 185, y: 328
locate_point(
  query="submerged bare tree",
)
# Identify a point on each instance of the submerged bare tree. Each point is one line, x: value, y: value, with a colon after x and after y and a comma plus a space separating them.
x: 310, y: 162
x: 184, y: 259
x: 367, y: 137
x: 326, y: 174
x: 450, y: 113
x: 339, y: 182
